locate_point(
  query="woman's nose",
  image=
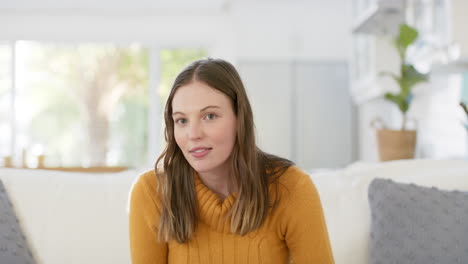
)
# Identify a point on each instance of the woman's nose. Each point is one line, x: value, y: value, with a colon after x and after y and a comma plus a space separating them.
x: 195, y: 130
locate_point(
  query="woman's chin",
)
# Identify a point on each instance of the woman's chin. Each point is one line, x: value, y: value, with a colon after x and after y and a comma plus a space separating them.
x: 204, y: 167
x: 201, y: 169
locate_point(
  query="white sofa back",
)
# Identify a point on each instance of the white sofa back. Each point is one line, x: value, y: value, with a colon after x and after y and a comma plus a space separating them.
x: 344, y: 197
x: 72, y: 218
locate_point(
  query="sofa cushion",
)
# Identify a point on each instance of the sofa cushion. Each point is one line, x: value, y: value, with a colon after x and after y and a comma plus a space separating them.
x: 13, y: 245
x: 415, y: 224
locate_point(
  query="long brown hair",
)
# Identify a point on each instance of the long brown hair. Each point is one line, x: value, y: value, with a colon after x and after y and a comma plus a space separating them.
x: 252, y: 170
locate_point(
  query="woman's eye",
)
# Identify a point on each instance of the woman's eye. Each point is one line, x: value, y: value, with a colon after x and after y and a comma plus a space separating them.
x: 210, y: 116
x: 181, y: 121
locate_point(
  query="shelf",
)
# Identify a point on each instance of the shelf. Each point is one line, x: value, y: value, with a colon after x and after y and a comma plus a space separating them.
x: 457, y: 66
x: 381, y: 18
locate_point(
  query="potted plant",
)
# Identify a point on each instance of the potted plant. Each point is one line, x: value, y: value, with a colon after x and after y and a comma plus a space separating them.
x: 400, y: 144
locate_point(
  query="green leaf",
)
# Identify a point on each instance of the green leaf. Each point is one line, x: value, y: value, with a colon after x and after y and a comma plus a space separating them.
x: 411, y: 76
x: 399, y: 100
x: 407, y: 36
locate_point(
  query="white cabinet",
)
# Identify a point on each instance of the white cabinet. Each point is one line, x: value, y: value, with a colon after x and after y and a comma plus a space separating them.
x: 303, y: 110
x: 326, y: 116
x: 268, y: 86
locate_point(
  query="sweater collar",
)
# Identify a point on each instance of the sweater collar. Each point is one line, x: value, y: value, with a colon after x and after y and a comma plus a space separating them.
x: 212, y: 210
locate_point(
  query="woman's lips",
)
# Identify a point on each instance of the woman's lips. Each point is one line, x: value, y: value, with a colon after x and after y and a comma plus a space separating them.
x: 200, y: 153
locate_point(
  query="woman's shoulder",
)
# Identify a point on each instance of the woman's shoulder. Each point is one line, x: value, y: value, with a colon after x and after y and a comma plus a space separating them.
x: 293, y: 176
x: 146, y: 179
x: 292, y: 180
x: 144, y: 200
x: 145, y: 186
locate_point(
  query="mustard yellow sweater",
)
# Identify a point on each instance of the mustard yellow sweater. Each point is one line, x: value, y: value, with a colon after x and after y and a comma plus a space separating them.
x: 295, y: 229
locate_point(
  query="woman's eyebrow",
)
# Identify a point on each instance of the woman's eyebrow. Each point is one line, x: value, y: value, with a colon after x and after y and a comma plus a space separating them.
x: 210, y: 106
x: 203, y: 109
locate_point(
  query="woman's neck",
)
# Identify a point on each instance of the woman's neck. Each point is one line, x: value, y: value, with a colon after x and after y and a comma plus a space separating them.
x: 219, y: 183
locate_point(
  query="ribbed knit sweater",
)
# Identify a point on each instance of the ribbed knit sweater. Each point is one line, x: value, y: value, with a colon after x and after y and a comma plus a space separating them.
x: 295, y: 230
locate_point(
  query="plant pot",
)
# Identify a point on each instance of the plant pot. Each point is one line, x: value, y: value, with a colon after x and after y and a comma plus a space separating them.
x: 396, y: 144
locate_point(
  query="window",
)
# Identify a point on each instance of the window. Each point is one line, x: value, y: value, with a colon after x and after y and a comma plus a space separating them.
x: 430, y: 17
x: 82, y: 104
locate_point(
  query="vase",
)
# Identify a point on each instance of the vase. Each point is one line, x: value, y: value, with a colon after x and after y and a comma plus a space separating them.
x: 396, y: 144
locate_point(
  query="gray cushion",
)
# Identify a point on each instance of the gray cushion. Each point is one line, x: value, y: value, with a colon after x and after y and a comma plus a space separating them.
x: 13, y: 245
x: 415, y: 224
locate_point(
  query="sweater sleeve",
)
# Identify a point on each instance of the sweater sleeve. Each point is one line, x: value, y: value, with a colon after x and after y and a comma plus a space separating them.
x: 144, y: 217
x: 304, y: 225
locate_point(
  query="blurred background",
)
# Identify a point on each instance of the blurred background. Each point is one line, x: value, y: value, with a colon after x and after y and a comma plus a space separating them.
x: 83, y: 83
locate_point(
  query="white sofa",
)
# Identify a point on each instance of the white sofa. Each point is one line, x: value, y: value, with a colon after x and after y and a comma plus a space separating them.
x: 72, y: 218
x: 78, y: 218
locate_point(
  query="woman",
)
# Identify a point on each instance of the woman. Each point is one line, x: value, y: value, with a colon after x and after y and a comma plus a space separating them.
x: 214, y: 196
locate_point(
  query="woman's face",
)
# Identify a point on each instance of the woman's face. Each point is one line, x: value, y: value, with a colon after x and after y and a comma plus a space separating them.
x: 204, y: 127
